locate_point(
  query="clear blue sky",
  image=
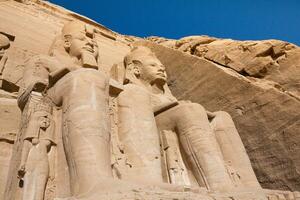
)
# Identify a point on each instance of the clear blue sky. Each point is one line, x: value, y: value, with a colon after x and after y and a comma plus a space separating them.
x: 237, y: 19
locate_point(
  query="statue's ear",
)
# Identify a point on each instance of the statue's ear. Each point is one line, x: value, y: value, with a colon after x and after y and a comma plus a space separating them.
x: 136, y: 65
x: 67, y: 42
x: 132, y: 72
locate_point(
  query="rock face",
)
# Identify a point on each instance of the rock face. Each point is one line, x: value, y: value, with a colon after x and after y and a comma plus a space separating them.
x: 257, y: 82
x: 272, y: 60
x: 97, y: 123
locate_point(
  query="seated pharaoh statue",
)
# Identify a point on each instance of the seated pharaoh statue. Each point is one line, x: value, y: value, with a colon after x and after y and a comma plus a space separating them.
x: 191, y: 137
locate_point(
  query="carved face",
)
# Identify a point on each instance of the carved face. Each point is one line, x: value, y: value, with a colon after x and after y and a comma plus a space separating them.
x: 152, y: 70
x: 44, y: 122
x: 4, y: 44
x: 79, y: 43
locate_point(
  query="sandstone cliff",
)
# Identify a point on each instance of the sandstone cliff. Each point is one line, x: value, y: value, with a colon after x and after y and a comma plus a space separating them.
x: 257, y: 82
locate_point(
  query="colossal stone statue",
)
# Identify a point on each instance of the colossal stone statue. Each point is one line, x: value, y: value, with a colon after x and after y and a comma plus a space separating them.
x: 210, y: 141
x: 38, y: 139
x: 81, y: 91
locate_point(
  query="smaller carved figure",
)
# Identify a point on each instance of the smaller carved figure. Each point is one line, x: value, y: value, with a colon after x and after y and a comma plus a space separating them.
x: 177, y: 171
x: 38, y: 139
x: 233, y: 173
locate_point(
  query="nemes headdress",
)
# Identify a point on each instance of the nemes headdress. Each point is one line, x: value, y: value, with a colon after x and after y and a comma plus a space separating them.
x: 138, y: 53
x: 75, y: 26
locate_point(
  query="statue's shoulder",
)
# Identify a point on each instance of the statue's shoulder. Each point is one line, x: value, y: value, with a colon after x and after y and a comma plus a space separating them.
x: 135, y: 88
x: 133, y: 93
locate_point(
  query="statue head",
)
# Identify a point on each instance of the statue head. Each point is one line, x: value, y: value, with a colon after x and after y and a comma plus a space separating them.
x: 77, y: 42
x: 79, y: 39
x: 4, y: 44
x: 143, y: 66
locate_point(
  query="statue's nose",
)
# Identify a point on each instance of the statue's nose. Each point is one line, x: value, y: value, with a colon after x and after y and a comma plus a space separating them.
x: 161, y: 68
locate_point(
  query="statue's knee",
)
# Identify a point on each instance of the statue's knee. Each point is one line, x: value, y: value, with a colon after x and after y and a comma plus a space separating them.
x: 223, y: 115
x: 222, y: 121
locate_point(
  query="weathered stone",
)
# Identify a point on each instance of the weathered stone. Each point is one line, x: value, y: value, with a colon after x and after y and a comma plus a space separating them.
x: 268, y: 59
x: 267, y: 118
x: 110, y: 139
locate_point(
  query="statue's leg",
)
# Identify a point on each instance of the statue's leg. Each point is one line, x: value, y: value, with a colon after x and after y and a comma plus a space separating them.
x: 42, y: 170
x: 84, y: 97
x: 199, y: 143
x: 37, y: 171
x: 232, y: 147
x: 29, y: 182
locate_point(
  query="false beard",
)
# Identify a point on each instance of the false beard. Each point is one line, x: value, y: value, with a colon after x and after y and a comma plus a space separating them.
x: 88, y: 60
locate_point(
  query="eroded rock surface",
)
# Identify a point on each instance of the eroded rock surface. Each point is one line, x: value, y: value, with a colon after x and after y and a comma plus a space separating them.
x: 273, y: 60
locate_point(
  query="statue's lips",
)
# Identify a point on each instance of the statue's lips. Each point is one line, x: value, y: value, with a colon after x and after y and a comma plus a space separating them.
x: 161, y: 74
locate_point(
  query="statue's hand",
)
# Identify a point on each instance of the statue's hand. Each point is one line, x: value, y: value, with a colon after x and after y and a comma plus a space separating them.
x: 40, y: 86
x: 21, y: 171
